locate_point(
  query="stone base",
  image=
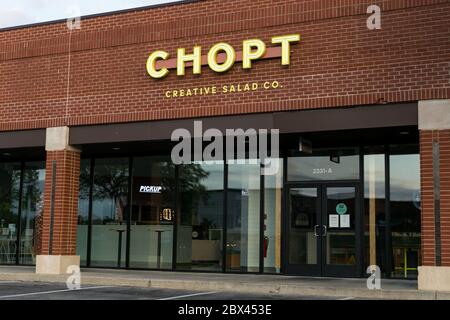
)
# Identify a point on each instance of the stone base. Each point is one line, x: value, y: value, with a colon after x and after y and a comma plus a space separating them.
x: 49, y: 264
x: 434, y: 278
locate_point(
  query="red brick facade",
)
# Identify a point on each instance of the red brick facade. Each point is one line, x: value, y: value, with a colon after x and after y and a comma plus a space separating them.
x: 338, y: 62
x: 65, y: 202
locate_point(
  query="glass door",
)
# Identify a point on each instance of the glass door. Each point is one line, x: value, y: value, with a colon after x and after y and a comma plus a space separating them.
x: 322, y: 228
x: 303, y: 242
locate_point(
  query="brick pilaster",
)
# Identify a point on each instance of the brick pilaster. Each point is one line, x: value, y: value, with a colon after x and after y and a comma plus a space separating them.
x: 65, y: 203
x: 427, y: 137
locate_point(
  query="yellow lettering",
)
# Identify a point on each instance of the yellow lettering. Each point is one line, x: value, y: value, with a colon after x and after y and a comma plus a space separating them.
x: 286, y: 46
x: 230, y: 57
x: 151, y: 64
x: 248, y: 55
x: 195, y: 57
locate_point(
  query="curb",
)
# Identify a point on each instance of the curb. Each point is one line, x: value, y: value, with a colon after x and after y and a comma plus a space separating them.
x: 241, y: 287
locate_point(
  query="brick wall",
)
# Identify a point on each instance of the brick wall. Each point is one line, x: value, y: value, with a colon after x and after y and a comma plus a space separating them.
x: 65, y: 202
x: 339, y: 62
x: 428, y: 207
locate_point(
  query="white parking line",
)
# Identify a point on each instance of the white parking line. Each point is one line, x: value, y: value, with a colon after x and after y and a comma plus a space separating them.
x: 347, y: 298
x: 188, y: 295
x: 49, y: 292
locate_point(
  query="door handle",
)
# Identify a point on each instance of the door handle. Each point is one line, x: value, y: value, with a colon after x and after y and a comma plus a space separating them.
x: 324, y: 231
x: 315, y: 230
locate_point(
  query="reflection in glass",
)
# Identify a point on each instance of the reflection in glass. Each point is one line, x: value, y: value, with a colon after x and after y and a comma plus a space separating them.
x: 405, y: 213
x: 303, y: 210
x: 341, y: 233
x: 32, y: 209
x: 272, y: 220
x: 109, y: 210
x: 9, y: 205
x: 83, y: 210
x: 153, y: 215
x: 374, y: 208
x: 243, y: 217
x: 326, y: 164
x: 200, y: 223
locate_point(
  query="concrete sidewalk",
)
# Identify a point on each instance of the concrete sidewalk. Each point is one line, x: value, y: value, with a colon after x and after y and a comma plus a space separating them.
x: 248, y: 283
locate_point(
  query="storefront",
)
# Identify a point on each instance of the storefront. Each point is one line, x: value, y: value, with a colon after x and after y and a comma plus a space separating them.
x: 87, y: 156
x: 312, y: 217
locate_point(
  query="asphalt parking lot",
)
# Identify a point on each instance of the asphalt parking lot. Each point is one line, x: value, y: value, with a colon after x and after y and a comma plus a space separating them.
x: 15, y: 290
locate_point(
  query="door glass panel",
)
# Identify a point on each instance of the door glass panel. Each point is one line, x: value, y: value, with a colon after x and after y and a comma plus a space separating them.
x: 303, y: 209
x: 340, y: 222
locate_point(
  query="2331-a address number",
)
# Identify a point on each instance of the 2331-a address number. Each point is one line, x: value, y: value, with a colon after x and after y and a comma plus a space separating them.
x: 322, y: 171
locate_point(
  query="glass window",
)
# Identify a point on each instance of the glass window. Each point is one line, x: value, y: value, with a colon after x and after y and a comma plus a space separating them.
x: 200, y: 223
x: 405, y: 210
x: 375, y: 208
x: 153, y: 215
x: 272, y: 220
x: 32, y: 210
x: 9, y: 206
x: 243, y: 218
x: 109, y: 212
x: 326, y: 164
x: 83, y: 210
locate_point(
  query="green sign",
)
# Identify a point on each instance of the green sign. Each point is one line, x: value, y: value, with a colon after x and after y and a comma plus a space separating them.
x: 341, y: 208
